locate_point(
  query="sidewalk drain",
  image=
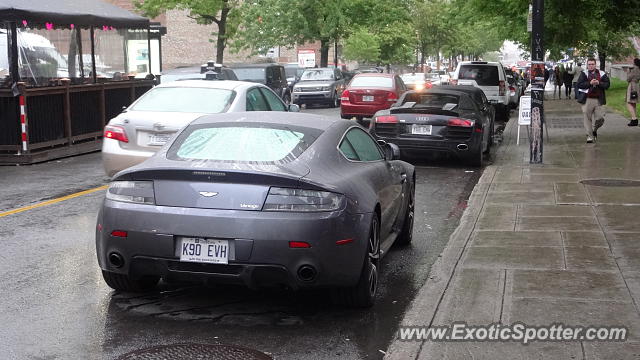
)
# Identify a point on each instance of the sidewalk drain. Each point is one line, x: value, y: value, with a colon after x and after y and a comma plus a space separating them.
x: 195, y: 351
x: 611, y: 182
x: 565, y: 123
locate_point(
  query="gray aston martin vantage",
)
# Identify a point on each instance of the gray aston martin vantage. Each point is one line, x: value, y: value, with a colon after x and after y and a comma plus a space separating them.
x: 261, y: 199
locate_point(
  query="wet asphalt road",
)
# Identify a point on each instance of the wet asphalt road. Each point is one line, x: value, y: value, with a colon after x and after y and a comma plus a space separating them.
x: 55, y: 304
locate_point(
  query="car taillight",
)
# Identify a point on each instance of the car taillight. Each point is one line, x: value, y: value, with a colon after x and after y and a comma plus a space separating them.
x: 459, y: 122
x: 453, y: 81
x: 502, y: 88
x: 428, y: 85
x: 138, y: 192
x: 115, y: 132
x: 300, y: 200
x: 512, y: 90
x: 392, y: 96
x: 345, y: 96
x: 387, y: 119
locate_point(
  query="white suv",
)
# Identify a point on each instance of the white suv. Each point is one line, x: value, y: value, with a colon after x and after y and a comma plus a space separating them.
x: 488, y: 76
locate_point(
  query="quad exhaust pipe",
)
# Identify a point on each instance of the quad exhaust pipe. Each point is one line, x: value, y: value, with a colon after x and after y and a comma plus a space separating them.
x: 462, y: 147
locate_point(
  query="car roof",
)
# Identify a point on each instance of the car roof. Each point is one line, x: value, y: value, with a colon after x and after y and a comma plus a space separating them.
x: 462, y: 88
x: 264, y: 65
x: 272, y: 117
x: 212, y: 84
x: 322, y: 68
x: 493, y: 63
x: 373, y: 75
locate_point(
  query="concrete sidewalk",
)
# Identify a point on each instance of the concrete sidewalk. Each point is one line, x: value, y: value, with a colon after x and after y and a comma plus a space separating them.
x: 539, y: 246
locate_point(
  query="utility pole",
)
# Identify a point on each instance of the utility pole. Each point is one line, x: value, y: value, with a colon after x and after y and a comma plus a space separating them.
x: 537, y: 82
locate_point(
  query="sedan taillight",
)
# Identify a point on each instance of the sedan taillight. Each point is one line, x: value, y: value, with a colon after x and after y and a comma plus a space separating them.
x: 502, y: 90
x: 301, y: 200
x: 115, y: 132
x: 137, y: 192
x: 345, y: 96
x: 386, y: 119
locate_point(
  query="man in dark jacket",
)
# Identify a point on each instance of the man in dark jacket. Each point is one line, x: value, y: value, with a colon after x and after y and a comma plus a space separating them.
x: 591, y: 94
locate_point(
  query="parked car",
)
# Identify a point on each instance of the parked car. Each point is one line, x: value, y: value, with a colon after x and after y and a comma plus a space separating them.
x: 415, y: 81
x: 486, y: 108
x: 491, y: 78
x: 293, y: 71
x: 433, y: 78
x: 444, y: 77
x: 368, y: 93
x: 269, y: 74
x: 514, y: 91
x: 518, y: 81
x: 262, y: 200
x: 147, y: 124
x: 319, y: 86
x: 195, y: 73
x: 436, y: 120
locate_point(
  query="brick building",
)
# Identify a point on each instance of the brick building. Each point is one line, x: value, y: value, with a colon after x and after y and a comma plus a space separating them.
x: 189, y: 43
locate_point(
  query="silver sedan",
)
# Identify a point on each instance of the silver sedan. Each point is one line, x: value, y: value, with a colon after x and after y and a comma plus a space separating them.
x: 141, y: 130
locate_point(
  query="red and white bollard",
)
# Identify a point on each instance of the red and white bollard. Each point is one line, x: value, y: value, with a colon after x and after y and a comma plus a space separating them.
x: 23, y: 122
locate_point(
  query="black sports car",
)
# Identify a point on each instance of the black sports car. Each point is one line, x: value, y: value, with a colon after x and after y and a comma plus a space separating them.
x: 436, y: 120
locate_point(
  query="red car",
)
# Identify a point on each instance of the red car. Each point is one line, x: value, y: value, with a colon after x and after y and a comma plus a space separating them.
x: 368, y: 93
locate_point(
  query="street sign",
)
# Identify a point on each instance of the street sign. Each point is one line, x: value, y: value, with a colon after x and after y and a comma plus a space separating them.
x: 524, y: 114
x: 307, y: 58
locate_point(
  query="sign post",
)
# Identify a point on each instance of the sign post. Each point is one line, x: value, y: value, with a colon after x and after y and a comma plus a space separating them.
x: 537, y: 82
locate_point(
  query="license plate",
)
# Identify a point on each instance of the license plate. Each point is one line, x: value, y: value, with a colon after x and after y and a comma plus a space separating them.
x: 367, y: 98
x: 421, y: 129
x: 158, y: 140
x: 201, y: 250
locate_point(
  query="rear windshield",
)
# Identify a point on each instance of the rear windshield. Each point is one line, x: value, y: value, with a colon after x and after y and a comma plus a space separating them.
x: 372, y: 81
x: 411, y: 78
x: 232, y: 142
x: 185, y: 99
x: 251, y: 74
x: 317, y: 74
x: 484, y: 75
x: 440, y: 101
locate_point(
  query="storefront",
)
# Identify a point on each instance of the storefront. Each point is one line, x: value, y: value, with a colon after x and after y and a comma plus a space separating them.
x: 66, y: 68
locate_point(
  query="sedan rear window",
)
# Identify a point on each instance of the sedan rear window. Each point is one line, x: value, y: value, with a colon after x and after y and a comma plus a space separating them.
x: 242, y: 143
x: 484, y: 75
x: 372, y: 81
x: 440, y: 101
x: 185, y: 99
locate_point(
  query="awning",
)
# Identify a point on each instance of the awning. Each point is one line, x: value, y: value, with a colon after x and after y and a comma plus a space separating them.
x: 82, y: 13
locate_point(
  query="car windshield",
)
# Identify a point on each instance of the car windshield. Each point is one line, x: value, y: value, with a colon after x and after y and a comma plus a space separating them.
x: 484, y: 75
x: 185, y: 99
x: 372, y: 81
x: 293, y: 72
x: 411, y: 78
x: 316, y: 74
x: 242, y: 143
x: 440, y: 101
x: 251, y: 74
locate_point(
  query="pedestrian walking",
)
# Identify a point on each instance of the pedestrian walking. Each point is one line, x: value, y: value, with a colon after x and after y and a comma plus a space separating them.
x: 592, y: 85
x: 576, y: 75
x: 567, y: 79
x: 557, y: 81
x: 633, y: 76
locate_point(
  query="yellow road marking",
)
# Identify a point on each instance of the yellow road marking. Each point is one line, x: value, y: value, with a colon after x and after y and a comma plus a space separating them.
x: 52, y: 201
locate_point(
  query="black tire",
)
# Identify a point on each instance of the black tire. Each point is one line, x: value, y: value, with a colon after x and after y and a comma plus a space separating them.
x: 363, y: 294
x: 123, y: 282
x: 406, y: 234
x: 335, y: 101
x: 477, y: 157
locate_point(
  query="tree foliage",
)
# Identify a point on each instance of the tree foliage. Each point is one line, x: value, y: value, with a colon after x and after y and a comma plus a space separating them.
x: 362, y: 46
x: 223, y: 13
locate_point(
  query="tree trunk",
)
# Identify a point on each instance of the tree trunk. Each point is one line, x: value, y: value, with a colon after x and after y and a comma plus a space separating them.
x: 324, y: 52
x: 221, y: 41
x: 602, y: 56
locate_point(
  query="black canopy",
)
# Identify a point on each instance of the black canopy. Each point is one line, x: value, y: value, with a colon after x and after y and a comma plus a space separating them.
x: 78, y: 12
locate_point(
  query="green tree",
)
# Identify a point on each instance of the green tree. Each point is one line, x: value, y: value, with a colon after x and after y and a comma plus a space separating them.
x: 223, y: 13
x: 362, y: 46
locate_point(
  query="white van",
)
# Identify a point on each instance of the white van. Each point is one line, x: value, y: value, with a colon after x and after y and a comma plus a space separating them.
x: 491, y: 78
x: 38, y: 56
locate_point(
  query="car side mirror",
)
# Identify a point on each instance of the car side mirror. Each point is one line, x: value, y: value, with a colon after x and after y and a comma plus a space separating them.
x: 391, y: 150
x: 294, y: 108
